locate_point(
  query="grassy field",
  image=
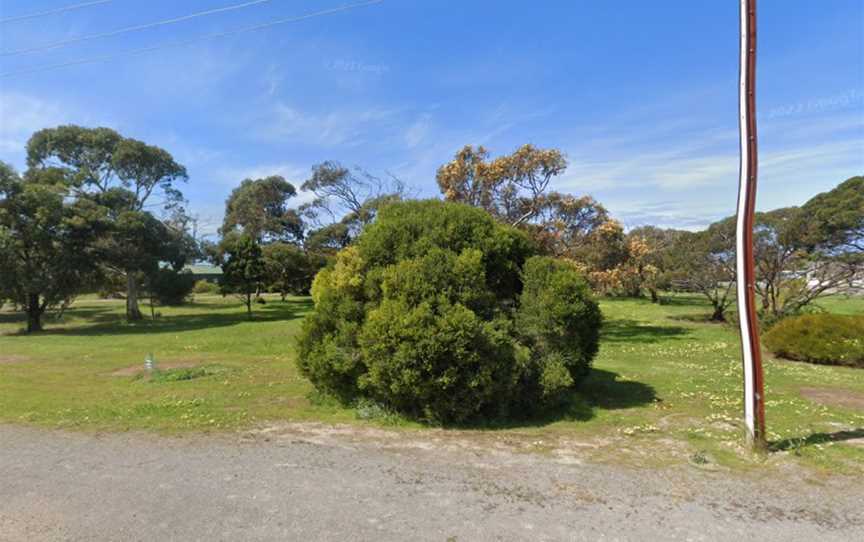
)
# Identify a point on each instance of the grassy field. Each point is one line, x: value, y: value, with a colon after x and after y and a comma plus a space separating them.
x: 666, y: 386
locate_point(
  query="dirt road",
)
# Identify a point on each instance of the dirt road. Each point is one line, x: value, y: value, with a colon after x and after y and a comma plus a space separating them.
x: 296, y: 483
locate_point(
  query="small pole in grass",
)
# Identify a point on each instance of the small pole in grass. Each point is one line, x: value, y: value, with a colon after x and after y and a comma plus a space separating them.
x: 754, y: 393
x: 149, y: 363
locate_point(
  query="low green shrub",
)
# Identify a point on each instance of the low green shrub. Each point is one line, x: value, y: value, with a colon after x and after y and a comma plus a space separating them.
x: 767, y: 319
x: 831, y: 339
x: 205, y: 287
x: 171, y: 287
x: 182, y: 374
x: 440, y: 313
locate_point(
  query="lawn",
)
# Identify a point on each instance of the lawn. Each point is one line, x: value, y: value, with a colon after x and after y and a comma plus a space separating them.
x: 666, y: 386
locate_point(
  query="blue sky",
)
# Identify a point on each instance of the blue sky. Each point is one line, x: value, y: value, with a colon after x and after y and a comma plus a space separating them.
x: 641, y: 96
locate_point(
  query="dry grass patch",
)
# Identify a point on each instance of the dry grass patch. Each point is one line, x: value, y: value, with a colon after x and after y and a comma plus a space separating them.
x: 836, y: 397
x: 6, y: 359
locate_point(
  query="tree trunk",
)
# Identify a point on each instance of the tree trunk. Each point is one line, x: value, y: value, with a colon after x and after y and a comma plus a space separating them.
x: 249, y: 305
x: 766, y: 296
x: 133, y: 313
x: 34, y: 313
x: 654, y: 297
x: 718, y: 314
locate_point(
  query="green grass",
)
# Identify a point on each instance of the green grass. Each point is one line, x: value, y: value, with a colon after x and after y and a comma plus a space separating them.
x: 64, y: 376
x: 841, y: 304
x: 666, y: 386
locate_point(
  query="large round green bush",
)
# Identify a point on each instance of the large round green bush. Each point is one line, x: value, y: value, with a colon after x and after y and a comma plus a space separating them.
x: 441, y: 313
x: 831, y: 339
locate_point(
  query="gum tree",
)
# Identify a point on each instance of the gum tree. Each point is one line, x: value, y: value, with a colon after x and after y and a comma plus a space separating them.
x: 101, y: 163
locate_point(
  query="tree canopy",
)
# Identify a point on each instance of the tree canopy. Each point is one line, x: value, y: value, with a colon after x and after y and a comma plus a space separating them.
x: 243, y: 269
x: 513, y: 188
x: 835, y: 219
x: 45, y: 240
x: 120, y: 175
x: 259, y: 208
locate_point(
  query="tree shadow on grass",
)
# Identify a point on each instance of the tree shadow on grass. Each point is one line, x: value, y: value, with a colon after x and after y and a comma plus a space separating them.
x: 93, y: 315
x: 698, y: 318
x: 684, y: 300
x: 601, y: 390
x: 796, y: 443
x: 114, y: 324
x: 621, y: 330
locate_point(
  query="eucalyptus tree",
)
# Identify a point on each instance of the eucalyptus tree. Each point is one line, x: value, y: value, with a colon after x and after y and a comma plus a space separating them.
x: 341, y: 192
x: 260, y: 209
x: 704, y: 262
x: 659, y: 243
x: 127, y: 176
x: 288, y: 270
x: 346, y: 201
x: 516, y: 189
x: 513, y: 188
x: 836, y: 218
x: 801, y: 253
x: 99, y: 159
x: 135, y: 243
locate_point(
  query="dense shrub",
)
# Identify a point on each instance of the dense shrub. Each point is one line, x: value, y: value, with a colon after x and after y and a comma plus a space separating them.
x: 427, y: 315
x: 170, y: 287
x: 559, y: 323
x: 205, y: 287
x: 819, y: 338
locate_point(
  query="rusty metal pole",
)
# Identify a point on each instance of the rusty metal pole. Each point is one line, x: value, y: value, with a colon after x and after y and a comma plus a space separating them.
x: 754, y: 393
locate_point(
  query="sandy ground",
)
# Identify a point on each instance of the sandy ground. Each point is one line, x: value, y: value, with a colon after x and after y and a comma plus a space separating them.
x: 311, y: 482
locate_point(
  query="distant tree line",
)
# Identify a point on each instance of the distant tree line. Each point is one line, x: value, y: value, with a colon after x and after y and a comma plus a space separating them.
x: 98, y: 211
x: 802, y: 253
x: 268, y: 246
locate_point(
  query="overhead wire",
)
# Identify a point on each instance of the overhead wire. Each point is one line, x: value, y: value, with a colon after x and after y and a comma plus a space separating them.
x: 180, y: 43
x: 53, y: 11
x: 133, y: 28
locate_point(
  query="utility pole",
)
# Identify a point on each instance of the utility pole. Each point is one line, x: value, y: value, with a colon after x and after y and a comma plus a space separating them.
x: 754, y: 389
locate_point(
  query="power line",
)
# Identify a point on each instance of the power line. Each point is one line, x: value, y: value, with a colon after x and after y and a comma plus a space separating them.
x: 134, y: 28
x: 189, y: 41
x: 53, y: 11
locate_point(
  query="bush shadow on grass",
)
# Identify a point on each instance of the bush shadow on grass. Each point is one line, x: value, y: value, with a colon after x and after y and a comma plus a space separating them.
x: 601, y: 390
x: 796, y: 443
x: 107, y: 322
x: 622, y: 330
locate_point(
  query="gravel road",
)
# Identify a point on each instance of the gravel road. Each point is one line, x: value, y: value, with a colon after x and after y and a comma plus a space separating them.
x: 291, y: 483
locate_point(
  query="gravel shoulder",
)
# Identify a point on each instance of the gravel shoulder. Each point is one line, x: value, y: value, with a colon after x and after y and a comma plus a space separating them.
x: 314, y: 482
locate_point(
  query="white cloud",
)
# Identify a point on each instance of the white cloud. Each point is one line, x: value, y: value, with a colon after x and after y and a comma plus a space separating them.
x: 343, y: 127
x: 293, y: 173
x: 417, y: 132
x: 20, y: 116
x: 671, y: 214
x: 638, y: 173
